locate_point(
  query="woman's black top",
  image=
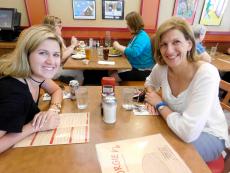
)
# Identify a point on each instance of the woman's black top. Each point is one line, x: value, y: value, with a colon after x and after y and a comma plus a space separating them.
x: 17, y: 106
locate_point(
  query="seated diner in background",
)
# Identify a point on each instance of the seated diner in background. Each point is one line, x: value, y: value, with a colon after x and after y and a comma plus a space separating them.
x: 199, y: 33
x: 226, y: 75
x: 138, y: 51
x: 56, y: 24
x: 30, y: 67
x: 189, y: 101
x: 228, y: 51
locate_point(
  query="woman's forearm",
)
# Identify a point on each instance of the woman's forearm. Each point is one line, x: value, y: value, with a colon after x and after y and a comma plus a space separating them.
x: 9, y: 139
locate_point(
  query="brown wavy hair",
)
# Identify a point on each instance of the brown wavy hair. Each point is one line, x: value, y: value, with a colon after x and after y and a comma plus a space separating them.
x: 134, y: 21
x: 180, y: 24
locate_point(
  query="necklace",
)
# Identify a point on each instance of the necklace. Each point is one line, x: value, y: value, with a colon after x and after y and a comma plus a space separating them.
x: 36, y: 80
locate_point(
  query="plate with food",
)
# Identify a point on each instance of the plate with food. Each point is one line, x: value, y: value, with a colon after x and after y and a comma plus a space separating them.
x: 114, y: 53
x: 78, y: 56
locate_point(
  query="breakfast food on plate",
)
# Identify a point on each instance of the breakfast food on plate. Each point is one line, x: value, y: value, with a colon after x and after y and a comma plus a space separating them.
x: 113, y: 51
x: 82, y: 44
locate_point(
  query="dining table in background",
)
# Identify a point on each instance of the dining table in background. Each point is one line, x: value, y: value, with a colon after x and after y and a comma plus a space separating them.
x: 121, y: 63
x: 82, y: 158
x: 221, y: 61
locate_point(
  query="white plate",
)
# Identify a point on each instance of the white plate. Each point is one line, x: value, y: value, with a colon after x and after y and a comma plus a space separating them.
x: 78, y: 56
x: 114, y: 55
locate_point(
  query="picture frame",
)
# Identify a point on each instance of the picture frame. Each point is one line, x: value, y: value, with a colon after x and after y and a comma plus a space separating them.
x: 113, y: 9
x: 84, y: 9
x: 185, y: 9
x: 213, y: 11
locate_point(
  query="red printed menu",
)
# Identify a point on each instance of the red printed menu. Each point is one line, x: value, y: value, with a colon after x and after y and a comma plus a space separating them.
x: 73, y: 128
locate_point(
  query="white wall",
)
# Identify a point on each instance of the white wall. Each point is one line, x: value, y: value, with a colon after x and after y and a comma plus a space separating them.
x: 20, y: 5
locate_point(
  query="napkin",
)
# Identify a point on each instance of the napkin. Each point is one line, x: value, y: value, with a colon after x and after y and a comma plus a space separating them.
x: 141, y: 110
x: 106, y: 62
x: 47, y: 97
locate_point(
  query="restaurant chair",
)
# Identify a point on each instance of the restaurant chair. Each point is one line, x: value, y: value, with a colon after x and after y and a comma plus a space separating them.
x: 217, y: 166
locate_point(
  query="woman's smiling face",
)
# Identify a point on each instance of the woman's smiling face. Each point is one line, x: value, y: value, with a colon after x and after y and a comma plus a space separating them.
x: 45, y: 59
x: 174, y: 47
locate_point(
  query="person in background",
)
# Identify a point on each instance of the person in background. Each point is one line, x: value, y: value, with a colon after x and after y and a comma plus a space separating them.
x: 199, y: 33
x: 226, y: 75
x: 28, y: 68
x: 228, y: 51
x: 189, y: 100
x: 138, y: 51
x: 56, y: 24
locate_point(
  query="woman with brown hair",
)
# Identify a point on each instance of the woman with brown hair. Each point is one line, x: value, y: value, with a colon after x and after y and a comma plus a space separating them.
x: 138, y: 51
x: 189, y: 102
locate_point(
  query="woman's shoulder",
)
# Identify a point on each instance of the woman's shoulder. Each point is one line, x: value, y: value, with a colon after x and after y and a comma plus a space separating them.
x: 143, y: 33
x: 10, y: 83
x: 205, y: 66
x: 208, y: 70
x: 160, y: 67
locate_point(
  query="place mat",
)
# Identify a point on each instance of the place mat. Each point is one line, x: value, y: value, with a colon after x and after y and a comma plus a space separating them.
x: 143, y: 155
x: 73, y: 128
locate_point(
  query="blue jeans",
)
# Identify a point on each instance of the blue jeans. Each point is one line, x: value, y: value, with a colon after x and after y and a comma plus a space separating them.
x: 209, y: 146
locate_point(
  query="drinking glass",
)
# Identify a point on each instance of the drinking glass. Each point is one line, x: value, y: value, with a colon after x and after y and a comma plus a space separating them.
x: 127, y: 98
x: 82, y: 97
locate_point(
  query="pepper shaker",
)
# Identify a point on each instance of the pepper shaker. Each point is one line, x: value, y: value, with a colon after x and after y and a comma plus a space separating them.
x: 74, y: 85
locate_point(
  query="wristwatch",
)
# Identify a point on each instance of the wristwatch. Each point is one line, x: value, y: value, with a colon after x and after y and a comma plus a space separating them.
x: 159, y: 106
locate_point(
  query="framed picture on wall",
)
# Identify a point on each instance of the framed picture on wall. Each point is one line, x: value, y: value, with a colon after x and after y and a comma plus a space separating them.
x: 113, y: 9
x: 84, y: 9
x: 213, y: 11
x: 185, y: 9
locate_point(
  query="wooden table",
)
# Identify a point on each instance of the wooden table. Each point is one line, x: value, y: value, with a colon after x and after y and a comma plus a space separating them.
x: 221, y: 61
x: 82, y: 158
x: 6, y: 47
x: 121, y: 63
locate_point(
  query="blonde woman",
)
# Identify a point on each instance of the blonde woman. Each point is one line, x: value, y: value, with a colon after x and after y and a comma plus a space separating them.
x: 189, y: 102
x: 28, y: 68
x: 56, y: 24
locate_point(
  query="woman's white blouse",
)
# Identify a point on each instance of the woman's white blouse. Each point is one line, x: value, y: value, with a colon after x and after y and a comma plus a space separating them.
x: 197, y: 109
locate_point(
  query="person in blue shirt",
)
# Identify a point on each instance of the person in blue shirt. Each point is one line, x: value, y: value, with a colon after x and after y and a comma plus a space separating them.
x: 199, y: 33
x: 139, y: 51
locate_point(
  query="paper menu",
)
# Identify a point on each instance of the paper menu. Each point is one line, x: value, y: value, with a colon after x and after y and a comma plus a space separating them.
x: 149, y: 154
x: 73, y: 128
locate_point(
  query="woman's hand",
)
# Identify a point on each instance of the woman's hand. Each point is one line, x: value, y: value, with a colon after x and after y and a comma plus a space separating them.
x: 150, y: 108
x: 74, y: 41
x: 119, y: 47
x: 42, y: 118
x: 152, y: 98
x: 52, y: 123
x: 116, y: 44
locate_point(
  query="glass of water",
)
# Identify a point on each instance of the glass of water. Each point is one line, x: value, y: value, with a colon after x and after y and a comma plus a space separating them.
x: 82, y: 97
x: 127, y: 97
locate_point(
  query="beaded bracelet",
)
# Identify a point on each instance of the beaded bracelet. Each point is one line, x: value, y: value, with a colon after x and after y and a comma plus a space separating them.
x: 58, y: 105
x: 55, y: 110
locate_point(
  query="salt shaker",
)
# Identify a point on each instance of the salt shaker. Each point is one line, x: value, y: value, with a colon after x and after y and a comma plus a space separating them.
x: 109, y: 105
x: 74, y: 85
